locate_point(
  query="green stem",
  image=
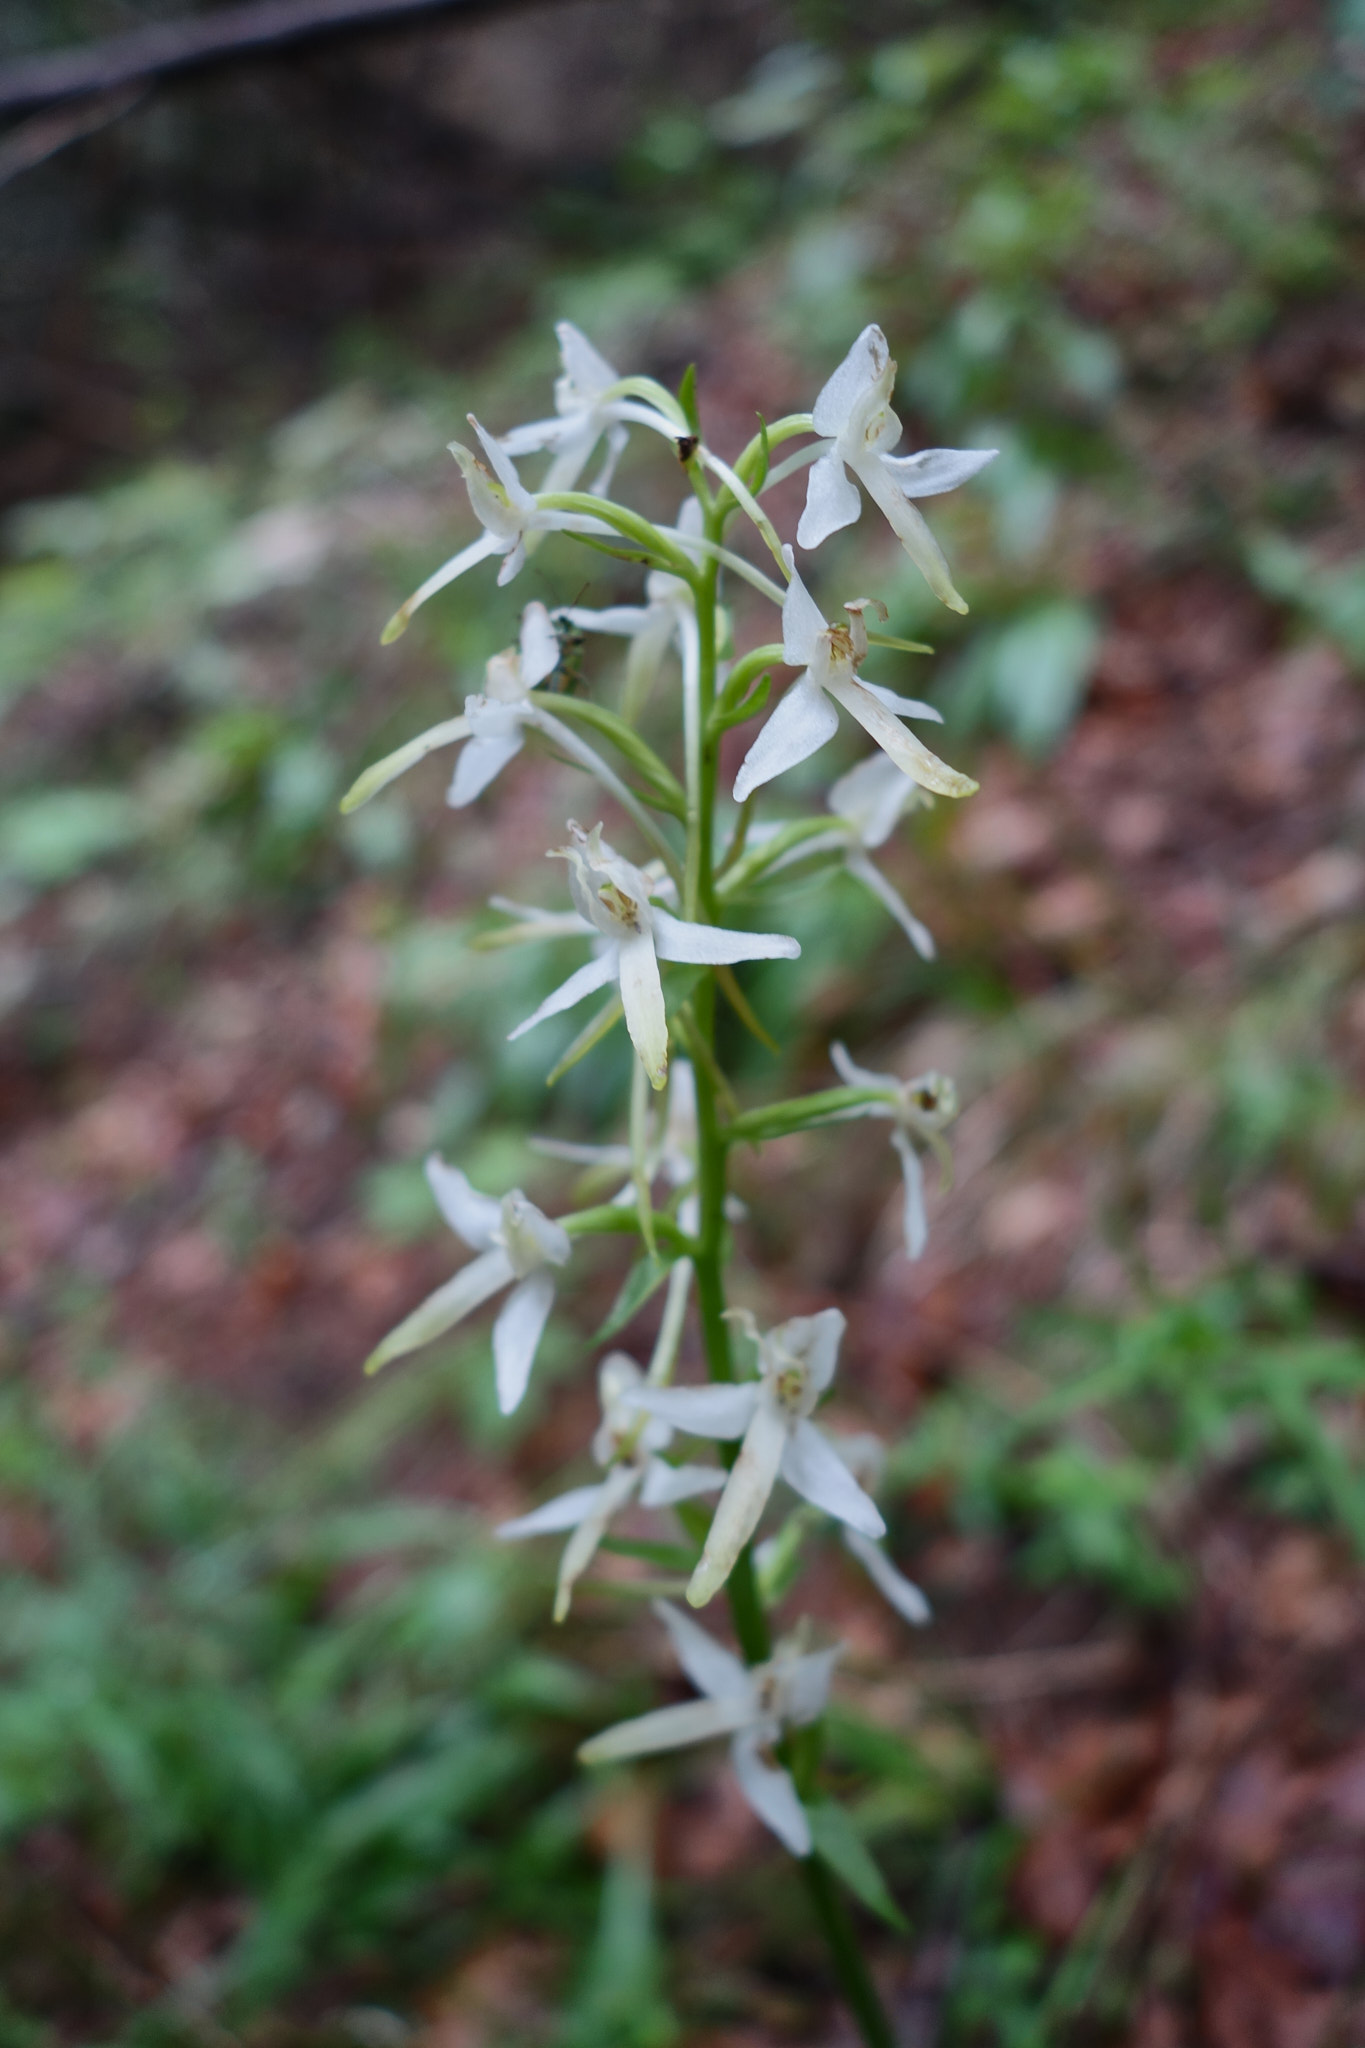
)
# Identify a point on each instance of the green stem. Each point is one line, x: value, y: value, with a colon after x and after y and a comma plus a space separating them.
x: 746, y: 1606
x: 850, y: 1966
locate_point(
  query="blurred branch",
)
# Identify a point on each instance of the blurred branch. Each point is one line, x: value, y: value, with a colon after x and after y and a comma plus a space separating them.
x: 31, y: 142
x: 145, y: 54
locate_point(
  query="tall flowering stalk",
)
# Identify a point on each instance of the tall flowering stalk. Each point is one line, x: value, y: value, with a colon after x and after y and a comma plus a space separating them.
x: 662, y: 923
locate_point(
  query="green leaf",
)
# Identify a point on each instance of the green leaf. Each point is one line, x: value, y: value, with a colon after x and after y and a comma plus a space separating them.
x: 798, y: 1113
x: 645, y: 1277
x: 840, y: 1845
x: 687, y: 398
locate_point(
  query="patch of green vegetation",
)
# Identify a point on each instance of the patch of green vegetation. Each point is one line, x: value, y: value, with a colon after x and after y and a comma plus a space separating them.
x: 1101, y: 1473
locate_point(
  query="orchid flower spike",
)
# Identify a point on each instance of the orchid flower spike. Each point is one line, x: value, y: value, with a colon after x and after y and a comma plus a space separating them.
x: 871, y: 800
x: 829, y: 658
x: 772, y: 1414
x: 865, y: 1457
x: 588, y: 406
x: 753, y: 1705
x: 855, y: 409
x: 627, y: 1447
x: 517, y: 1246
x: 613, y: 898
x: 667, y: 618
x: 494, y: 720
x: 508, y: 514
x: 918, y: 1109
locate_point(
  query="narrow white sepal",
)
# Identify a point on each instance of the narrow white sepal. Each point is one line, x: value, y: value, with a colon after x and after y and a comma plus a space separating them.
x: 812, y: 1468
x: 902, y: 1593
x: 516, y: 1334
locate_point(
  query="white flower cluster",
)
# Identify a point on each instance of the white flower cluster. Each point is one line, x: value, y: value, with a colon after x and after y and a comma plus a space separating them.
x: 670, y: 909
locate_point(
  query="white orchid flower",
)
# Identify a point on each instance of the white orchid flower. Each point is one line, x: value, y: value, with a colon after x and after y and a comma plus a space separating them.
x: 772, y: 1414
x: 667, y: 618
x: 868, y: 802
x: 494, y: 721
x: 627, y: 1447
x: 613, y: 899
x: 855, y: 409
x: 871, y: 800
x: 865, y: 1457
x: 518, y: 1246
x: 805, y: 718
x: 589, y: 405
x: 509, y: 516
x: 917, y: 1109
x: 753, y: 1705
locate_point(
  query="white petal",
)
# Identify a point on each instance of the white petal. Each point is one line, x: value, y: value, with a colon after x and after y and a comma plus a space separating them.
x: 666, y: 1728
x: 539, y: 645
x: 771, y: 1794
x: 478, y: 550
x: 537, y: 434
x: 667, y: 1484
x: 713, y: 1669
x: 865, y: 362
x: 873, y: 796
x: 517, y: 1332
x: 565, y: 1511
x: 805, y: 1685
x: 617, y: 437
x: 503, y: 469
x: 714, y: 1411
x: 588, y: 371
x: 833, y: 501
x: 709, y: 945
x: 937, y: 469
x: 381, y: 773
x: 746, y: 1495
x: 512, y: 563
x: 919, y: 935
x: 815, y: 1340
x: 803, y: 622
x: 621, y: 619
x: 642, y: 999
x: 477, y: 766
x: 440, y: 1312
x: 902, y: 1593
x: 573, y: 456
x: 802, y: 723
x: 910, y: 530
x: 915, y: 1225
x: 472, y: 1216
x: 904, y: 707
x: 854, y: 1076
x: 583, y: 983
x: 814, y: 1470
x: 910, y: 755
x: 612, y: 1495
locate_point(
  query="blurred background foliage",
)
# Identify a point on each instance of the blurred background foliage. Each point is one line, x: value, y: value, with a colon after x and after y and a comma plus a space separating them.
x: 285, y: 1746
